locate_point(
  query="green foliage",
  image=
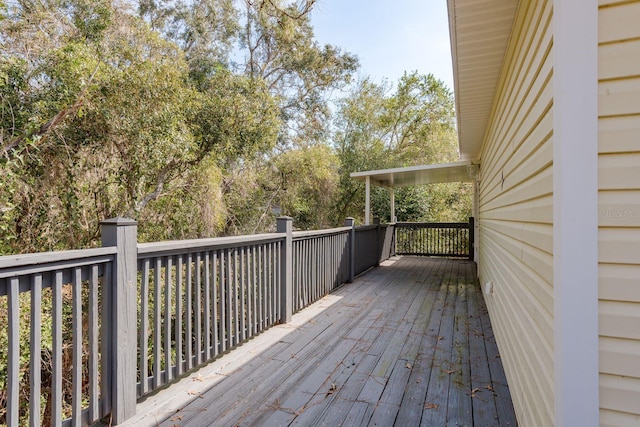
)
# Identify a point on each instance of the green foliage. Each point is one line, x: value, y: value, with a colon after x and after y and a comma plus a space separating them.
x: 197, y: 118
x: 379, y: 128
x: 309, y: 185
x: 279, y: 47
x: 108, y: 120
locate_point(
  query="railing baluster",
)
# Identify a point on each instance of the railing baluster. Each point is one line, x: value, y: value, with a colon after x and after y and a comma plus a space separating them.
x: 77, y: 348
x: 295, y: 268
x: 144, y: 327
x: 214, y: 302
x: 168, y: 270
x: 223, y: 296
x: 178, y: 332
x: 198, y: 309
x: 229, y: 301
x: 157, y: 322
x: 13, y: 399
x: 256, y: 289
x: 249, y: 286
x: 276, y: 282
x: 56, y: 382
x: 36, y: 351
x: 242, y: 296
x: 236, y: 295
x: 302, y: 277
x: 13, y: 297
x: 94, y: 409
x: 334, y: 265
x: 269, y: 279
x: 189, y: 314
x: 251, y: 296
x: 207, y: 306
x: 261, y: 287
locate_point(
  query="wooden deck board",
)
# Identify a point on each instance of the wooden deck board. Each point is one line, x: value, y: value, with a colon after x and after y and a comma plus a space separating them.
x: 408, y: 343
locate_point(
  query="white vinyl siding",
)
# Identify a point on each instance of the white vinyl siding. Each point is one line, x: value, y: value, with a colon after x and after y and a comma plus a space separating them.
x: 619, y: 212
x: 516, y: 215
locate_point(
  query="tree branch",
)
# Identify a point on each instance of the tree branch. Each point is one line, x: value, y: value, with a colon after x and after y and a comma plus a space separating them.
x: 44, y: 131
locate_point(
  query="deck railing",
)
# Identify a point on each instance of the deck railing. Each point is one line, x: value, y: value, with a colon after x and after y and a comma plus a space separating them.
x: 435, y: 239
x: 60, y: 351
x: 320, y: 264
x: 200, y: 298
x: 374, y: 244
x: 106, y: 327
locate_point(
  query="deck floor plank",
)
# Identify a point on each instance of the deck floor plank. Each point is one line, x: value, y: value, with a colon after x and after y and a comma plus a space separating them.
x: 406, y: 344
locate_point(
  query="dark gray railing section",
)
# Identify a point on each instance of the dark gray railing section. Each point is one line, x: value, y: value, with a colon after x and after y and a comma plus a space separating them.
x: 198, y: 299
x: 435, y: 239
x: 367, y: 248
x: 387, y: 239
x: 68, y: 305
x: 320, y: 264
x: 105, y: 327
x: 374, y: 244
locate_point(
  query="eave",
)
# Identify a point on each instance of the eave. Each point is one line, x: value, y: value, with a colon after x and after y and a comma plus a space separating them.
x: 479, y: 32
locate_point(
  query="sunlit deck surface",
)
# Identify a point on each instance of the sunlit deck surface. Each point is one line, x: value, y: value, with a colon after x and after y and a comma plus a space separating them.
x: 408, y: 343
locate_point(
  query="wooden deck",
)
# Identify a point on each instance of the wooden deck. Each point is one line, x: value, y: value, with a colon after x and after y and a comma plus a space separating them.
x: 407, y: 344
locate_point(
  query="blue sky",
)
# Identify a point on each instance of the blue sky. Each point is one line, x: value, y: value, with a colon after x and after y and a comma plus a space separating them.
x: 389, y: 37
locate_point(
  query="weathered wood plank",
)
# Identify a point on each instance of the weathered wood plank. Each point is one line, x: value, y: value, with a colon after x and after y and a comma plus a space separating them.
x: 504, y: 405
x: 414, y: 400
x: 335, y: 410
x: 234, y: 395
x: 459, y: 406
x: 484, y: 408
x: 389, y: 403
x: 317, y: 340
x: 435, y: 408
x: 378, y: 351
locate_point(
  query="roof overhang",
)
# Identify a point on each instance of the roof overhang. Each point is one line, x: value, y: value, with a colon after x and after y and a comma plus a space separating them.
x: 479, y: 31
x: 464, y: 171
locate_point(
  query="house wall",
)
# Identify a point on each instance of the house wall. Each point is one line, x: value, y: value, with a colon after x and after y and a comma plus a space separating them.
x: 516, y: 215
x: 619, y: 211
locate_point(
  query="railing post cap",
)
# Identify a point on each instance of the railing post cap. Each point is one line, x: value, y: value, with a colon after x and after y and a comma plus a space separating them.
x: 349, y: 221
x: 119, y: 221
x: 284, y: 224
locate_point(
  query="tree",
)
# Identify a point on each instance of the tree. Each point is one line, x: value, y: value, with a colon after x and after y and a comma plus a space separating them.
x: 379, y: 128
x: 278, y: 46
x: 106, y: 120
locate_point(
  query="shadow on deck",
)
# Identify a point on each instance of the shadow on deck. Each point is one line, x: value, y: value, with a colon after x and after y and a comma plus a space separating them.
x: 408, y: 343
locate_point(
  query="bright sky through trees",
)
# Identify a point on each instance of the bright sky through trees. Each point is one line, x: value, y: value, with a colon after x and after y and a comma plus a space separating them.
x: 389, y: 37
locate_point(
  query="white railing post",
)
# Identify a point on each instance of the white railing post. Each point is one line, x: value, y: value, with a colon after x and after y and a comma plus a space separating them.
x: 121, y: 345
x: 285, y: 225
x: 350, y: 222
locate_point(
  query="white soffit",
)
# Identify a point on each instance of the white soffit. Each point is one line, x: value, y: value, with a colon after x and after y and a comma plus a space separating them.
x: 479, y: 31
x: 463, y: 171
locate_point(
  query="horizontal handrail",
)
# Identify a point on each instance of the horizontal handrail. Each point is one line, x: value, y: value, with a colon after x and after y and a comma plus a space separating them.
x: 182, y: 246
x: 14, y: 261
x: 316, y: 233
x: 432, y: 224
